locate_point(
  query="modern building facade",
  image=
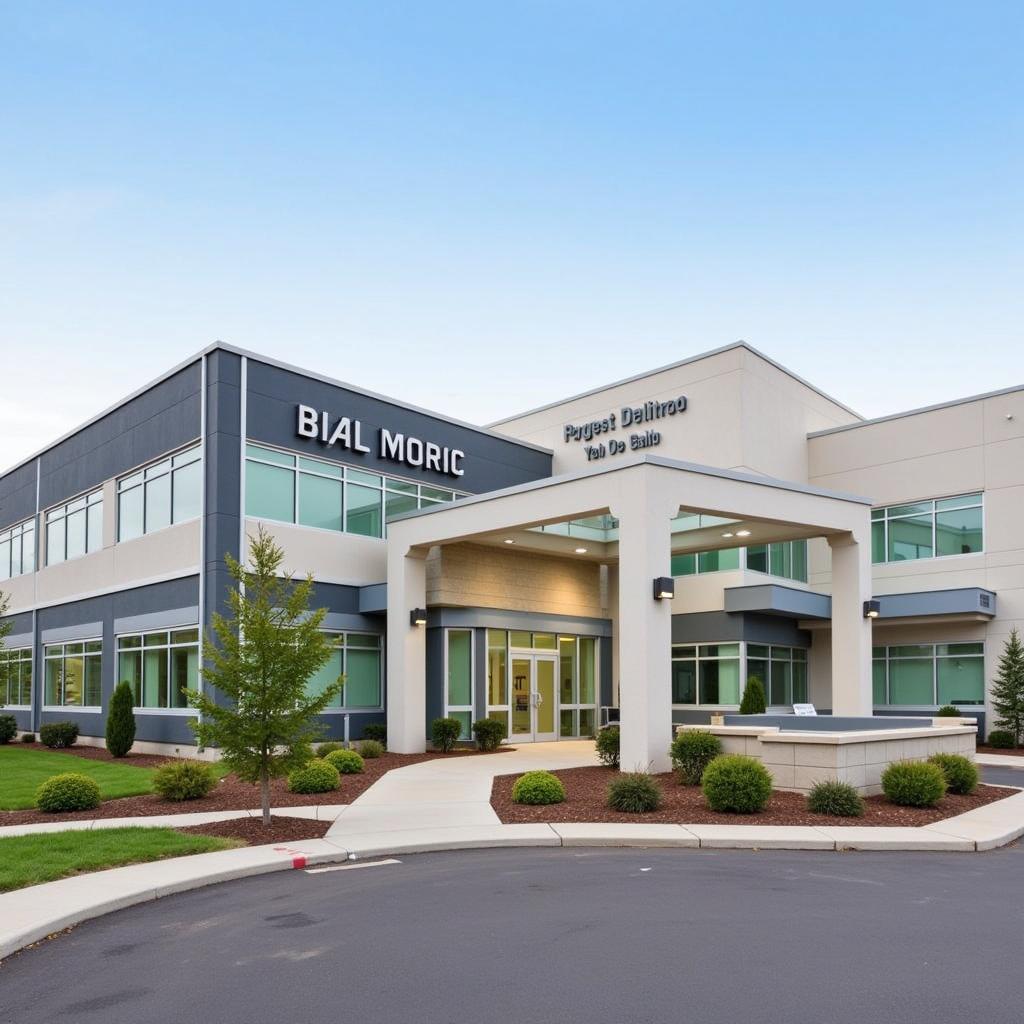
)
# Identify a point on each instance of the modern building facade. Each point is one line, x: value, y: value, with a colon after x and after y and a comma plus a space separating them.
x: 511, y: 571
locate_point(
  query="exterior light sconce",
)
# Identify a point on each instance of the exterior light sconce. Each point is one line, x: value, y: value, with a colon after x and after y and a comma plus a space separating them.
x: 871, y: 609
x: 664, y: 588
x: 418, y: 617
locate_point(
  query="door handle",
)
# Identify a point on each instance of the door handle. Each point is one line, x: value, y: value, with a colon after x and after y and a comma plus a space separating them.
x: 537, y: 700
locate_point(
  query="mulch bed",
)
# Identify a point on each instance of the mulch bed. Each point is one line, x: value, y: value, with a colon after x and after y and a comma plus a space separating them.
x: 586, y: 791
x: 230, y: 794
x: 102, y: 754
x: 1018, y: 752
x: 253, y: 833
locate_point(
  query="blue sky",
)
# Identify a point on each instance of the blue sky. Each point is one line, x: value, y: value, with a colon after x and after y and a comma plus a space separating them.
x: 480, y: 207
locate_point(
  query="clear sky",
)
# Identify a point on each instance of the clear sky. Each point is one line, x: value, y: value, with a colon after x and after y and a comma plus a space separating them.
x: 480, y: 207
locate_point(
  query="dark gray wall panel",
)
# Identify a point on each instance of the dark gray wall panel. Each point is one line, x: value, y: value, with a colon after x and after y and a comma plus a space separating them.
x: 721, y: 627
x: 18, y: 495
x: 435, y: 677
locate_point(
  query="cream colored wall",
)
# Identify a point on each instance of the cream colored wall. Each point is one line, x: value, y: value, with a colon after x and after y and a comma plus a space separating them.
x: 331, y: 557
x: 476, y: 575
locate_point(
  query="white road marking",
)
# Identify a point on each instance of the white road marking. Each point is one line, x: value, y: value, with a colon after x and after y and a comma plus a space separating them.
x: 352, y: 867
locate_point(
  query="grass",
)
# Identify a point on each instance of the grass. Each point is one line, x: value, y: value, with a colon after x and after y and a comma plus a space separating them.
x: 32, y: 859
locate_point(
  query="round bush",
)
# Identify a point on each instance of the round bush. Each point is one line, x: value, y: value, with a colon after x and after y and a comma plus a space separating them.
x: 28, y: 737
x: 348, y: 762
x: 444, y: 733
x: 736, y: 783
x: 489, y: 733
x: 960, y: 772
x: 68, y: 792
x: 837, y: 798
x: 947, y: 711
x: 1001, y: 739
x: 691, y: 752
x: 183, y: 780
x: 608, y: 746
x: 58, y: 734
x: 319, y: 776
x: 8, y: 728
x: 634, y: 793
x: 376, y: 731
x: 371, y: 748
x: 914, y: 783
x: 328, y: 748
x: 538, y: 788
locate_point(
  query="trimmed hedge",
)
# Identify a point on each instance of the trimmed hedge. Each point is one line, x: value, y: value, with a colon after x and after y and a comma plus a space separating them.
x: 737, y: 784
x: 28, y: 737
x: 68, y: 792
x: 538, y: 788
x: 914, y: 783
x: 634, y: 793
x: 607, y: 743
x: 489, y: 733
x: 961, y: 772
x: 184, y: 780
x: 1001, y: 739
x: 58, y: 734
x: 319, y: 776
x: 371, y: 748
x: 328, y: 748
x: 348, y: 762
x: 836, y: 798
x: 948, y: 711
x: 8, y: 728
x: 120, y: 734
x: 444, y: 732
x: 376, y: 731
x: 691, y: 752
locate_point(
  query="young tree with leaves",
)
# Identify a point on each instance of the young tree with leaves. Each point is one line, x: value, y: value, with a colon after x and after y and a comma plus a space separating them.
x: 1008, y: 688
x: 259, y: 658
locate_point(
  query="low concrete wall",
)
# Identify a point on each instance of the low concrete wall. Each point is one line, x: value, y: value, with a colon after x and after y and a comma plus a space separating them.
x: 797, y: 761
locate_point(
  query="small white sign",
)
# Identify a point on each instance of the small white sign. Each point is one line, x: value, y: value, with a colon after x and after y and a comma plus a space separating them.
x: 804, y: 709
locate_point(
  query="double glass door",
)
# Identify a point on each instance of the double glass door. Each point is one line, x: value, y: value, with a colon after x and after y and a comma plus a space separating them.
x: 534, y: 697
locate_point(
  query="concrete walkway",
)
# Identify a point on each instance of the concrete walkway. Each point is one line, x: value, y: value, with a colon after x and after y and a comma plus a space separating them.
x: 1000, y: 760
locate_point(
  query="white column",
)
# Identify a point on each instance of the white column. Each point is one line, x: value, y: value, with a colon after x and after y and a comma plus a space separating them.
x: 407, y: 652
x: 851, y: 631
x: 644, y: 629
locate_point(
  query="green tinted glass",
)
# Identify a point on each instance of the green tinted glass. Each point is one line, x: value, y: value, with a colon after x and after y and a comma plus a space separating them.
x: 684, y: 565
x: 319, y: 502
x: 878, y: 681
x: 960, y: 680
x: 910, y: 539
x: 269, y: 492
x: 460, y: 682
x: 327, y: 674
x: 362, y: 510
x: 588, y: 670
x: 958, y: 502
x: 911, y: 682
x: 959, y: 532
x: 362, y: 678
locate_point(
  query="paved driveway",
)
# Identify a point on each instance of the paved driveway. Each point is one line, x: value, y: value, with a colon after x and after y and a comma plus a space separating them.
x: 546, y: 936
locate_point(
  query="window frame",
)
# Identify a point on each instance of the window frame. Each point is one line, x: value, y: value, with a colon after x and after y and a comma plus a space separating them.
x: 6, y: 660
x: 345, y: 647
x: 450, y: 709
x: 91, y: 500
x: 17, y: 532
x: 138, y: 479
x: 880, y: 514
x: 698, y: 658
x: 168, y: 647
x: 887, y: 659
x: 62, y: 657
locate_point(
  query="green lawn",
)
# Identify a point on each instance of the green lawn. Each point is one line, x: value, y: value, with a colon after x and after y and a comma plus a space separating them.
x: 30, y: 860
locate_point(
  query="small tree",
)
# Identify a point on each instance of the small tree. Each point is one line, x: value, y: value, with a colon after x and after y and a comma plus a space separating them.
x: 754, y: 701
x: 260, y: 658
x: 121, y: 720
x: 1008, y: 688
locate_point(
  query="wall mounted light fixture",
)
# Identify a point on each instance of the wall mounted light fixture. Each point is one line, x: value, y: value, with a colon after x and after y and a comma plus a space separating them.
x: 664, y: 588
x: 872, y: 608
x: 418, y: 617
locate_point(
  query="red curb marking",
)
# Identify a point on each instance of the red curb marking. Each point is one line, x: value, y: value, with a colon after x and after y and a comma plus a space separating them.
x: 298, y: 859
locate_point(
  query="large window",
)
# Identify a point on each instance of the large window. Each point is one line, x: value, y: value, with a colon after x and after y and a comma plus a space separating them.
x: 161, y: 668
x: 697, y: 562
x: 928, y: 529
x: 326, y: 495
x: 167, y: 492
x: 577, y: 685
x: 459, y: 678
x: 497, y: 676
x: 783, y: 670
x: 74, y: 529
x: 18, y: 550
x: 706, y: 674
x: 929, y: 674
x: 357, y: 657
x: 787, y: 560
x: 72, y: 674
x: 16, y: 677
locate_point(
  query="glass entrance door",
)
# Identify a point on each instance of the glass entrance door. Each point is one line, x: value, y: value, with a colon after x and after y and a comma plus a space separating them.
x: 534, y: 698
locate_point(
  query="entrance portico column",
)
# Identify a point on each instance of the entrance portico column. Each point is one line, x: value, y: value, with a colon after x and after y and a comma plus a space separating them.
x: 644, y: 626
x: 851, y: 631
x: 407, y: 651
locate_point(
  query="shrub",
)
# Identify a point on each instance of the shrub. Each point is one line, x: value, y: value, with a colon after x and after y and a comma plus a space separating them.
x: 58, y: 734
x: 8, y: 728
x: 691, y: 752
x: 328, y: 748
x: 371, y: 748
x: 376, y: 731
x: 948, y: 711
x: 121, y: 721
x: 960, y: 772
x: 183, y: 780
x: 736, y: 783
x: 538, y: 788
x: 754, y: 700
x: 914, y: 783
x: 28, y: 737
x: 68, y: 792
x: 608, y: 746
x: 634, y: 793
x: 1001, y: 739
x: 489, y: 733
x: 837, y: 798
x: 348, y: 762
x: 319, y: 776
x: 444, y: 732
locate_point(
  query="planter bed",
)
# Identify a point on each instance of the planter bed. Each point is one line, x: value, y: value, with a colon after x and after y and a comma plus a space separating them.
x: 586, y: 790
x: 251, y: 831
x: 1011, y: 751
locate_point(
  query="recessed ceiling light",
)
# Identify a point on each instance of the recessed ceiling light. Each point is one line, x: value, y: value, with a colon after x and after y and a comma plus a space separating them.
x: 509, y: 540
x: 726, y: 534
x: 581, y: 551
x: 742, y: 533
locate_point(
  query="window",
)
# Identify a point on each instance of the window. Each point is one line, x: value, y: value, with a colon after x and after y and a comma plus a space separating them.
x: 497, y: 675
x: 929, y: 674
x: 705, y: 673
x: 787, y: 560
x: 72, y: 674
x: 328, y: 496
x: 74, y: 529
x: 18, y: 550
x: 459, y: 678
x: 783, y: 670
x: 357, y: 657
x: 927, y: 529
x: 161, y: 668
x: 16, y: 677
x: 697, y: 562
x: 160, y: 495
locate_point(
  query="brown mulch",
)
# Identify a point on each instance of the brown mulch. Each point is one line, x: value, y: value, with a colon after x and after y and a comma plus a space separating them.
x: 1013, y: 752
x: 252, y: 831
x: 586, y: 792
x: 230, y: 794
x: 102, y: 754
